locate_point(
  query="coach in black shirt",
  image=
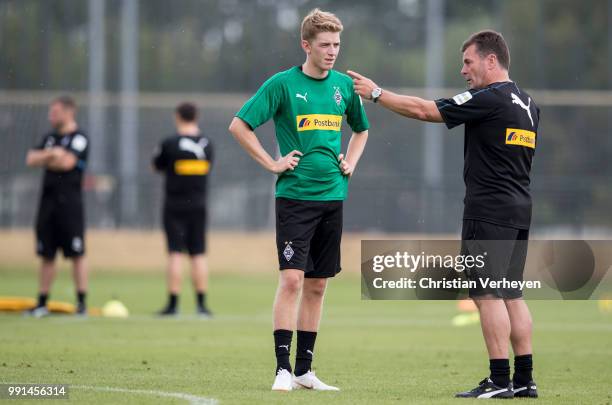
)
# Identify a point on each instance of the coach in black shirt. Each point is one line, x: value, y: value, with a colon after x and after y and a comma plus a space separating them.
x: 501, y: 124
x: 185, y: 159
x: 60, y: 222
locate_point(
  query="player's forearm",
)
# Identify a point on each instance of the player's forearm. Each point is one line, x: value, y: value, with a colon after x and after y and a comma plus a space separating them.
x: 62, y: 161
x: 411, y: 107
x: 356, y: 147
x: 249, y: 142
x: 57, y: 165
x: 36, y: 158
x: 253, y: 147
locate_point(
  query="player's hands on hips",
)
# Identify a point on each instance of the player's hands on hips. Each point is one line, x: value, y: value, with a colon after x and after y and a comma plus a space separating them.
x: 287, y: 162
x: 346, y: 168
x: 363, y: 85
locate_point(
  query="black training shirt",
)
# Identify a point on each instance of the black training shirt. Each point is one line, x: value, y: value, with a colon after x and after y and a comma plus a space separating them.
x: 65, y: 185
x: 186, y: 162
x: 501, y: 125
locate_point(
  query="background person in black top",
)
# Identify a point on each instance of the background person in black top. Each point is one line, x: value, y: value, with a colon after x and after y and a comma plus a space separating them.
x: 501, y: 123
x: 60, y: 220
x: 185, y: 159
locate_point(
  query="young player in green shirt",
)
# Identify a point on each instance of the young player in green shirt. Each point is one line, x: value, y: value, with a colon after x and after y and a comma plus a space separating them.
x: 307, y: 104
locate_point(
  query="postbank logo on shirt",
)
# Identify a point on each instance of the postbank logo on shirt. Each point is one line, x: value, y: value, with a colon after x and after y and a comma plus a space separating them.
x: 520, y: 137
x: 191, y: 167
x: 327, y: 122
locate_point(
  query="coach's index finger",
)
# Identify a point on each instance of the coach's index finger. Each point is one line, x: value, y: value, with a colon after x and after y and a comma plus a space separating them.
x: 354, y: 75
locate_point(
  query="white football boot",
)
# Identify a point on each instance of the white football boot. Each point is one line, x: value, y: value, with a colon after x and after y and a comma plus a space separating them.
x: 283, y: 381
x: 311, y: 382
x: 38, y: 312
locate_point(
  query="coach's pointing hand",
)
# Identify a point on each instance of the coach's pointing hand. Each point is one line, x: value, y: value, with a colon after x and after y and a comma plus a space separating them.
x: 363, y: 85
x: 287, y: 162
x: 345, y: 166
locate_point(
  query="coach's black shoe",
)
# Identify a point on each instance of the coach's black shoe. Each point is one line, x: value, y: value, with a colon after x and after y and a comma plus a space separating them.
x: 487, y: 389
x: 527, y: 391
x: 168, y: 311
x: 204, y: 313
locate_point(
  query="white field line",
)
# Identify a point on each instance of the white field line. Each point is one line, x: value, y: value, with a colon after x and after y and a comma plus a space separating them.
x: 192, y: 399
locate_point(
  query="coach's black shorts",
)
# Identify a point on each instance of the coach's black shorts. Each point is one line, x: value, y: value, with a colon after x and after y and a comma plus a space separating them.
x: 308, y: 235
x: 505, y: 252
x: 60, y: 224
x: 185, y: 229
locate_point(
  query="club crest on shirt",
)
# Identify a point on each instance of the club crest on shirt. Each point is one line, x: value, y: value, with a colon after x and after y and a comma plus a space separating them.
x: 337, y: 95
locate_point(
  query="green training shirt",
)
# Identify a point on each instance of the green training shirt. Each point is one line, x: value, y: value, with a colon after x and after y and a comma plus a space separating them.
x: 308, y: 114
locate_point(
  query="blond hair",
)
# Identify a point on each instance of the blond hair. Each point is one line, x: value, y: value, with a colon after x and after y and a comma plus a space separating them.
x: 319, y: 21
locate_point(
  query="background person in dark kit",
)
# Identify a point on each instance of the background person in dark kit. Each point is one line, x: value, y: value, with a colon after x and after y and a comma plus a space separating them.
x: 185, y: 159
x: 60, y: 222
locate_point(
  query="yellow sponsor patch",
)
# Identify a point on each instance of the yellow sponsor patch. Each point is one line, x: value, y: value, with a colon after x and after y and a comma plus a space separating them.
x: 520, y: 137
x: 327, y: 122
x: 191, y: 167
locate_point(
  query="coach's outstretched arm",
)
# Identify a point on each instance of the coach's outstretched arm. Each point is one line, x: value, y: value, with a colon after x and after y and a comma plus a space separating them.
x: 248, y: 140
x: 408, y: 106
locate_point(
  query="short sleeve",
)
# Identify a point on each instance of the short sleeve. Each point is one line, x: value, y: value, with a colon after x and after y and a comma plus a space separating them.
x: 160, y: 157
x: 209, y: 152
x: 468, y: 106
x: 79, y: 146
x: 355, y: 113
x: 264, y: 104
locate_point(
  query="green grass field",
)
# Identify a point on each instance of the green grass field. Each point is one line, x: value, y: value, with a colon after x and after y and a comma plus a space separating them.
x: 376, y: 352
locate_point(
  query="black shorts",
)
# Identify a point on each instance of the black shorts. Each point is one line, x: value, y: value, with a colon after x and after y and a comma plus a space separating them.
x: 505, y: 253
x: 308, y: 235
x: 185, y: 229
x: 60, y: 225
